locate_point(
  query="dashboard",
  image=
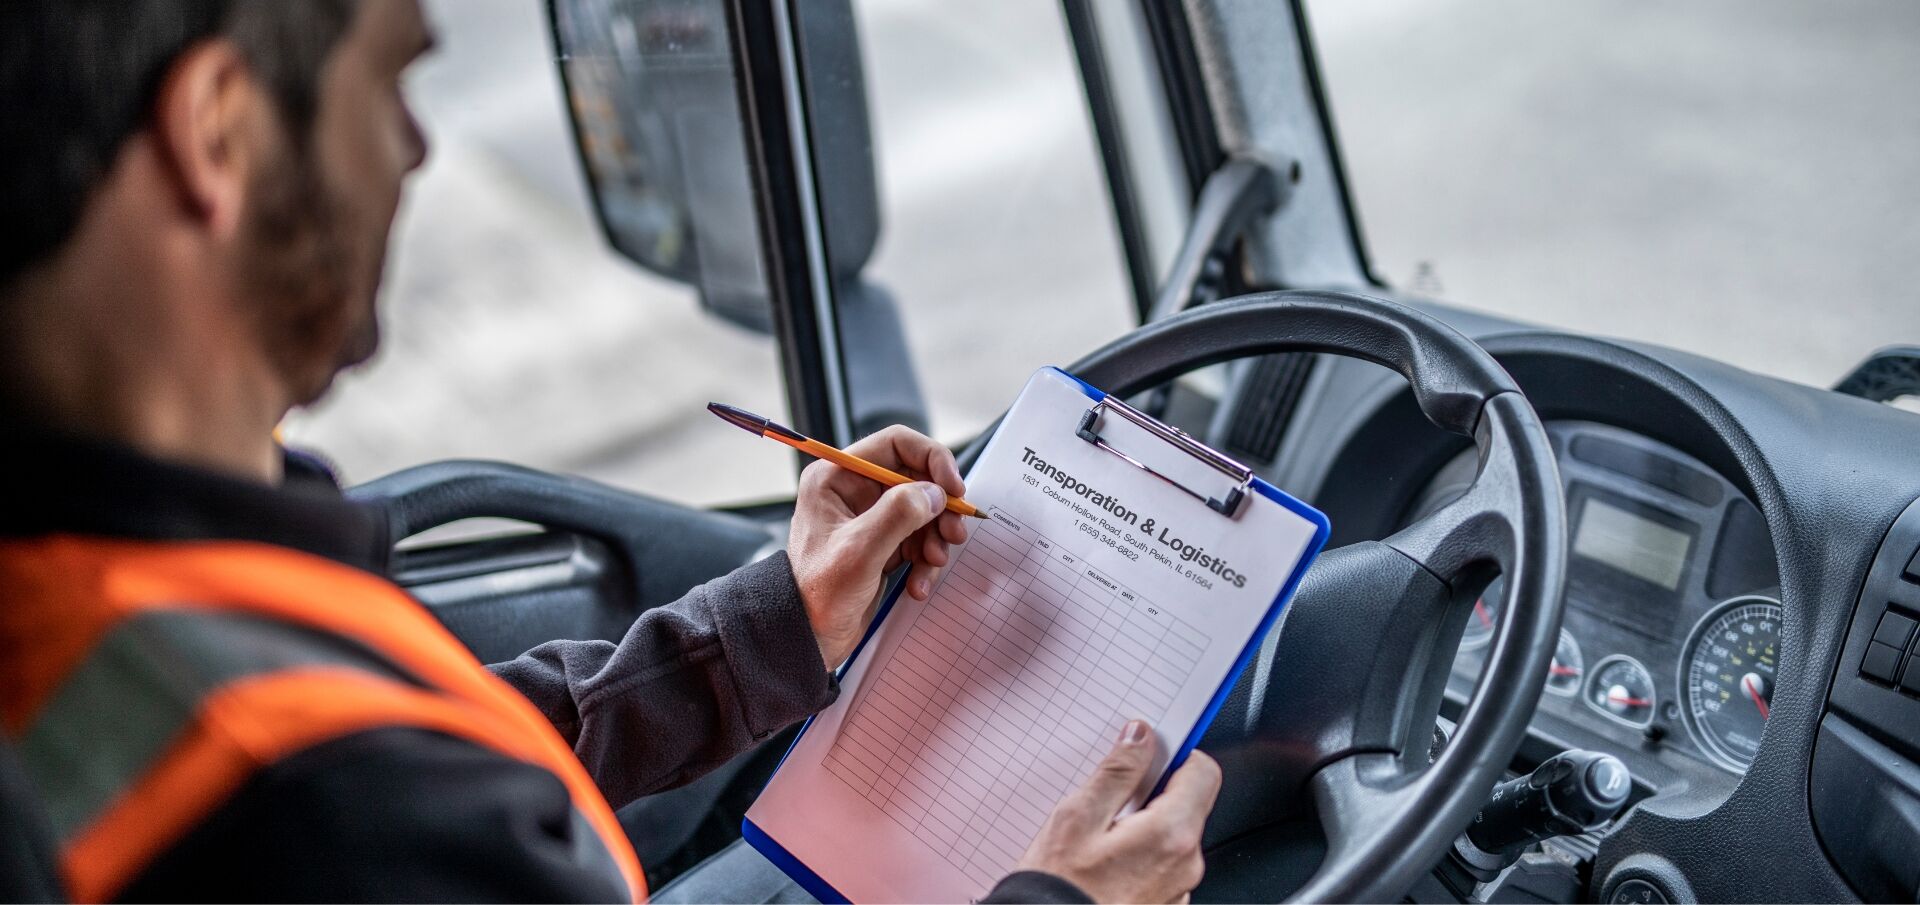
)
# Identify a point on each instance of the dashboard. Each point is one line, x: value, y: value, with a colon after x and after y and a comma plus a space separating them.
x: 1742, y: 555
x: 1670, y: 643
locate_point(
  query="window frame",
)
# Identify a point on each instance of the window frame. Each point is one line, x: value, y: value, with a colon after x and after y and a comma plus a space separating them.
x: 773, y: 111
x: 1191, y: 69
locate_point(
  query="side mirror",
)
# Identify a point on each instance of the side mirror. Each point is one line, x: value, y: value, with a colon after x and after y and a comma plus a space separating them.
x: 650, y: 88
x: 656, y: 113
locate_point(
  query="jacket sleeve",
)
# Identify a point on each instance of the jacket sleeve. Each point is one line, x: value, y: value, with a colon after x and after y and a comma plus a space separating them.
x: 1032, y: 886
x: 387, y: 815
x: 408, y: 815
x: 692, y: 684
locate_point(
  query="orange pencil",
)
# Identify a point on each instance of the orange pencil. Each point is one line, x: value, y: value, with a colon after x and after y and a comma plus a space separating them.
x: 754, y: 424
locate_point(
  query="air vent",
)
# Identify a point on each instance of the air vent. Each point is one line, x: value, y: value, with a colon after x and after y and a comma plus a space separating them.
x: 1265, y: 405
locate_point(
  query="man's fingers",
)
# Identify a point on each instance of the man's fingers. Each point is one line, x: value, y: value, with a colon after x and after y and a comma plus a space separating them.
x: 1190, y: 792
x: 876, y: 533
x: 953, y: 527
x: 920, y: 581
x: 905, y: 449
x: 933, y: 459
x: 896, y: 447
x: 933, y: 549
x: 858, y: 490
x: 945, y: 471
x: 1120, y: 774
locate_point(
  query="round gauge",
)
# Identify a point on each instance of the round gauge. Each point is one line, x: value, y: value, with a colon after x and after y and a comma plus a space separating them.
x: 1621, y: 688
x: 1485, y: 615
x: 1563, y: 677
x: 1731, y: 655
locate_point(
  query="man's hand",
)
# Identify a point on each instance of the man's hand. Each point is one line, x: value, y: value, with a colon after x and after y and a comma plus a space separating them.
x: 1151, y: 855
x: 849, y: 531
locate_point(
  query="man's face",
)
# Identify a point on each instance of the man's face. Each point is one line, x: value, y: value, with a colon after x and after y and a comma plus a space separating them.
x: 317, y: 230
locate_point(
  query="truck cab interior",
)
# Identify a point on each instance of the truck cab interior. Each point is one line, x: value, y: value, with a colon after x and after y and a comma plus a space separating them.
x: 1695, y: 550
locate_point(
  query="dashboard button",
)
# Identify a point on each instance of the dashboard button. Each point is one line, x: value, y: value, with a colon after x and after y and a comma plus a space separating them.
x: 1881, y: 662
x: 1894, y: 630
x: 1638, y: 892
x: 1910, y: 682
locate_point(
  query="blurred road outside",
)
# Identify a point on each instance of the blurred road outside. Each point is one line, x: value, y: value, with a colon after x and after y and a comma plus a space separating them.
x: 1733, y: 178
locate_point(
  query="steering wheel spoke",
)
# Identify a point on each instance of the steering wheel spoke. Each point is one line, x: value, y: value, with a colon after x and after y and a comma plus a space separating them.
x: 1480, y: 528
x: 1355, y: 797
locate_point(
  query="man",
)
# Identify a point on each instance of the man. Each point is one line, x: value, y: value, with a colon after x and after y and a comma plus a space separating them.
x: 211, y: 688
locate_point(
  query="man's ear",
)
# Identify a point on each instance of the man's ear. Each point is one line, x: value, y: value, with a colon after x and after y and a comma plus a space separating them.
x: 210, y: 120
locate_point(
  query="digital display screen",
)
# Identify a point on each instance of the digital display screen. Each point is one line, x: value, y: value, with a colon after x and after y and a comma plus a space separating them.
x: 1631, y: 543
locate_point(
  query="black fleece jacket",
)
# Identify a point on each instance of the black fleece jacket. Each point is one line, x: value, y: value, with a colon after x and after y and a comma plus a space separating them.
x: 401, y: 814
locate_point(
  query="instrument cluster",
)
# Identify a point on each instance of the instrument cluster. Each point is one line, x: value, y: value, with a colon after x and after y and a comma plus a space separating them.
x: 1671, y: 635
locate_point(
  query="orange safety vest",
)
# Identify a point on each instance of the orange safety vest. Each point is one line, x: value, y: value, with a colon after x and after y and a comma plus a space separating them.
x: 143, y: 683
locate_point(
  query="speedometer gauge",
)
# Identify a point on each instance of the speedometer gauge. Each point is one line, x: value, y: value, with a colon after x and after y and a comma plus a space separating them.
x: 1731, y: 656
x: 1486, y: 613
x: 1563, y: 676
x: 1622, y: 689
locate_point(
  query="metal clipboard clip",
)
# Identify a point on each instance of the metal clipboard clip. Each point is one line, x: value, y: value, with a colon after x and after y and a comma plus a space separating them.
x: 1179, y: 439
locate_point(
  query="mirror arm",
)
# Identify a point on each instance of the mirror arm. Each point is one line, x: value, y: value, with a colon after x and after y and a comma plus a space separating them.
x: 1236, y: 195
x: 883, y: 386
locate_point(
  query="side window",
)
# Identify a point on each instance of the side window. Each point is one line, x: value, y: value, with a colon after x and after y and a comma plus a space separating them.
x: 511, y: 330
x: 996, y: 239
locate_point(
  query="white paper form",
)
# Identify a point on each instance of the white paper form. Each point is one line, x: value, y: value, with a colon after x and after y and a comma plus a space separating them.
x: 1095, y: 594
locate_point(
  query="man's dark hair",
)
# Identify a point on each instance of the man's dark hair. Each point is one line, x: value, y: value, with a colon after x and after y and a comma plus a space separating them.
x: 78, y: 78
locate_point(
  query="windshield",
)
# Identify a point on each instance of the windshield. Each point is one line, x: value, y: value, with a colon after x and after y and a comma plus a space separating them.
x: 1737, y: 179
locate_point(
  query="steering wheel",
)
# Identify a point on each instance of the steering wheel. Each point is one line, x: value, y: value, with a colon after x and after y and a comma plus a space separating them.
x: 1337, y: 712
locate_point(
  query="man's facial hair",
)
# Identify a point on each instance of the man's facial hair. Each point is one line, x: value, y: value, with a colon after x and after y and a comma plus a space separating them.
x: 299, y: 280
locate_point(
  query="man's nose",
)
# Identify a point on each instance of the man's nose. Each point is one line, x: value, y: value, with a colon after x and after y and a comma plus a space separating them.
x: 417, y: 142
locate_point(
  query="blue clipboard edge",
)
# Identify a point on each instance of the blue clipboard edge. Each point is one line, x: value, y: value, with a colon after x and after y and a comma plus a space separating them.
x: 824, y: 891
x: 783, y: 859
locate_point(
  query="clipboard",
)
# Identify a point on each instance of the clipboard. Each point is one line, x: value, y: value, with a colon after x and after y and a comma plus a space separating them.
x: 1208, y: 484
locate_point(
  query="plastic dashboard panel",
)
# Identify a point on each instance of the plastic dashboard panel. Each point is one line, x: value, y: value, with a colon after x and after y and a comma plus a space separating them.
x: 1866, y: 779
x: 1829, y: 474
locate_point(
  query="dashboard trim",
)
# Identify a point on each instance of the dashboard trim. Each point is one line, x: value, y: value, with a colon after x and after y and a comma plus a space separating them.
x: 1827, y: 474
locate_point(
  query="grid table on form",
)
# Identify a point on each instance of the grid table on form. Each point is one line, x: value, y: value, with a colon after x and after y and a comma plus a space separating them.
x: 1011, y: 684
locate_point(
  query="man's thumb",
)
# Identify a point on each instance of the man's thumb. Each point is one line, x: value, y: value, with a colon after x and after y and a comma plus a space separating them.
x: 899, y: 512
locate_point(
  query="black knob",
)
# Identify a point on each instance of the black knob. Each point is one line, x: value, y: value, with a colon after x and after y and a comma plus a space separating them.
x: 1572, y: 792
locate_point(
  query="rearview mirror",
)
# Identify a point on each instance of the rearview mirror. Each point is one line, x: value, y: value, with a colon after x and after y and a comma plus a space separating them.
x: 650, y: 84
